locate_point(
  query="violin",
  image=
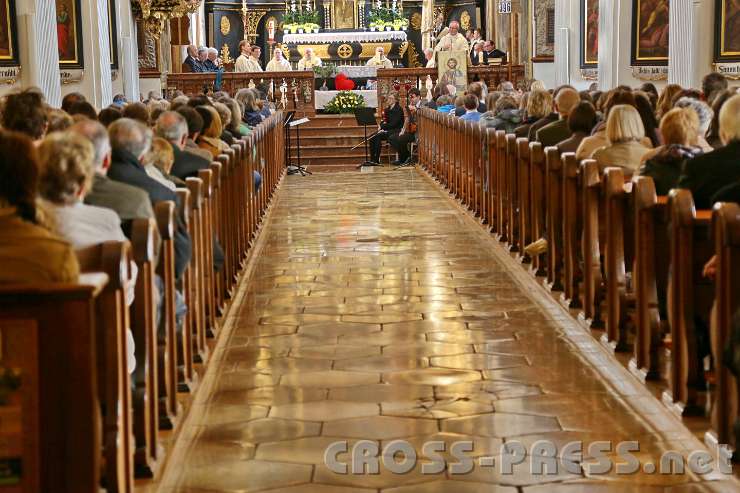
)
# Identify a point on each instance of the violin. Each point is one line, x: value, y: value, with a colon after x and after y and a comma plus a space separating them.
x: 408, y: 125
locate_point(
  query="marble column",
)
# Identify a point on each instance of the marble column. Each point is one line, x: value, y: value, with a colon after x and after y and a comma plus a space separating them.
x: 127, y: 51
x: 96, y: 84
x: 609, y: 41
x: 39, y: 54
x: 690, y: 41
x: 562, y: 42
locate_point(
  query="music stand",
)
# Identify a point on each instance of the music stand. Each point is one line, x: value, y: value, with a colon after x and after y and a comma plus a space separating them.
x: 288, y: 118
x: 365, y: 117
x: 292, y: 122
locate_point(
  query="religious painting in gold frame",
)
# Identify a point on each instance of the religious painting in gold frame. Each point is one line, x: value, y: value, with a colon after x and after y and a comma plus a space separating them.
x: 8, y: 34
x: 727, y: 31
x: 650, y: 22
x: 69, y: 33
x: 589, y: 33
x: 113, y: 34
x: 453, y: 69
x: 344, y: 14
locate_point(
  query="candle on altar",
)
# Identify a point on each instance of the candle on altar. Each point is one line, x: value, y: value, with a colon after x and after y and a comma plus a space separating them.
x: 480, y: 57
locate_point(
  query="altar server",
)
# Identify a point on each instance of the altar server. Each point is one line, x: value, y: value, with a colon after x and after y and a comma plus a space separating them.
x: 379, y: 60
x: 278, y: 62
x: 453, y: 40
x: 248, y: 61
x: 309, y: 60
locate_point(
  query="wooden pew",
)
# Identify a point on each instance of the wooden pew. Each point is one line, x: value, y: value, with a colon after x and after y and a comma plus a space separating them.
x: 650, y: 276
x: 524, y: 197
x: 114, y: 388
x: 219, y: 223
x: 169, y: 410
x: 209, y: 275
x: 187, y: 350
x: 490, y: 167
x: 554, y: 221
x: 20, y: 441
x: 593, y: 294
x: 501, y: 187
x: 511, y: 182
x: 726, y: 233
x: 148, y: 453
x: 196, y: 303
x: 618, y: 256
x: 537, y: 202
x: 571, y: 231
x: 68, y: 405
x: 689, y: 297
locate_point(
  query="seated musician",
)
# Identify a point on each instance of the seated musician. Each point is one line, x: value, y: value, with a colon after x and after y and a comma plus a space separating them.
x: 706, y: 175
x: 67, y: 171
x: 400, y: 142
x: 309, y: 60
x: 29, y: 252
x: 379, y: 60
x: 278, y: 62
x: 392, y: 125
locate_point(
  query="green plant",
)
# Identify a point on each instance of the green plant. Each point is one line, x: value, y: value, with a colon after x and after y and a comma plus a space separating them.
x: 326, y: 71
x: 344, y: 102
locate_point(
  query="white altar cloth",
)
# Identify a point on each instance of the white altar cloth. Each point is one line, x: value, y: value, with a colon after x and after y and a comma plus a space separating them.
x: 323, y: 97
x: 358, y: 71
x: 347, y: 37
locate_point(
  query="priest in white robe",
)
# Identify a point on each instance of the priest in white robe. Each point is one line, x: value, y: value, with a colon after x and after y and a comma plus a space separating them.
x: 278, y: 62
x: 309, y: 60
x: 248, y: 61
x: 379, y: 60
x: 453, y: 40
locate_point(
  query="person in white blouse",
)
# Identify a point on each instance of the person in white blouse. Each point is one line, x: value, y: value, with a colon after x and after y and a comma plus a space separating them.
x: 278, y: 62
x: 67, y: 173
x: 379, y: 60
x: 309, y: 60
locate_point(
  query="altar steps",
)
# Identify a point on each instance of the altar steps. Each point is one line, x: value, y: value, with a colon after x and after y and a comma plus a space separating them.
x: 327, y: 142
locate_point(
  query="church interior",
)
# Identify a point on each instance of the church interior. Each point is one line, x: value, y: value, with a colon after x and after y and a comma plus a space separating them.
x: 369, y: 246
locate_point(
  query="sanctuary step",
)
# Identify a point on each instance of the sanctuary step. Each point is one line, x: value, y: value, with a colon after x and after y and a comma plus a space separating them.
x: 327, y: 140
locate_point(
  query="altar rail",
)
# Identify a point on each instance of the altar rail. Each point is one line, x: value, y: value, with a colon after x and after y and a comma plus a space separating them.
x: 301, y: 84
x: 400, y: 80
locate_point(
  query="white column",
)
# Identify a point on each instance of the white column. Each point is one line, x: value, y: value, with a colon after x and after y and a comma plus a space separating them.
x: 563, y: 50
x: 39, y: 53
x: 96, y: 46
x: 609, y: 42
x: 691, y: 38
x: 128, y: 55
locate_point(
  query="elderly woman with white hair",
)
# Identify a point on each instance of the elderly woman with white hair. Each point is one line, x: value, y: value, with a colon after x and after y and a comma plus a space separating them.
x: 624, y: 132
x: 705, y: 114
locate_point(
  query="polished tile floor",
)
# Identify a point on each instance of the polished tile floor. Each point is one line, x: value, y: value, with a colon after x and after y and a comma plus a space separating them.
x: 378, y: 311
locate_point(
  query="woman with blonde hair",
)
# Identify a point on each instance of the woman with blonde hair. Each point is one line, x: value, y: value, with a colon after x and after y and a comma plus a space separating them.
x: 210, y: 138
x: 624, y: 131
x: 679, y: 128
x: 158, y: 163
x: 539, y: 105
x: 251, y: 115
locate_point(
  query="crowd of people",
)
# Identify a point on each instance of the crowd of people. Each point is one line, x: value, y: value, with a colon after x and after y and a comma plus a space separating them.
x: 73, y: 177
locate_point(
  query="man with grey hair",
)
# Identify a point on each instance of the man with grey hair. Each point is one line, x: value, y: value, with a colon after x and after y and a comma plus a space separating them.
x: 202, y: 57
x: 211, y: 63
x: 705, y: 114
x: 127, y: 201
x: 192, y: 60
x: 130, y: 141
x: 172, y: 127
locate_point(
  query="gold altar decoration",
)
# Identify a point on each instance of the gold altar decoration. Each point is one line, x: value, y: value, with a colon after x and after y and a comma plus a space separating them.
x: 344, y: 14
x: 415, y: 21
x: 344, y: 51
x: 402, y: 49
x: 465, y: 20
x: 155, y: 14
x: 321, y: 51
x: 225, y: 25
x: 412, y: 56
x: 251, y: 19
x: 226, y: 55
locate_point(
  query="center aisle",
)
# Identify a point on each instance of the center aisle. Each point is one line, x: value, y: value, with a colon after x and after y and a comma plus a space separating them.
x: 377, y: 310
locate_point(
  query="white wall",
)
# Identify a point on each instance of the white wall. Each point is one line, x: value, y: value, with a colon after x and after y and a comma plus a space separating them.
x: 544, y: 72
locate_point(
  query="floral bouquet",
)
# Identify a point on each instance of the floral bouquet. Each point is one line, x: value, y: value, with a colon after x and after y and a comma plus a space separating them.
x: 345, y: 102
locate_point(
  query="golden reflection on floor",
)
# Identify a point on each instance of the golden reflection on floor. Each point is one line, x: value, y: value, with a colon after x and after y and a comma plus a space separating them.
x: 377, y: 312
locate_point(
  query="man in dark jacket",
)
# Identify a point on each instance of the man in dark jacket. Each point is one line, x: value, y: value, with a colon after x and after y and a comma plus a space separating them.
x: 192, y: 60
x: 130, y: 141
x: 705, y: 175
x: 392, y: 126
x: 172, y: 127
x: 491, y: 54
x: 557, y: 131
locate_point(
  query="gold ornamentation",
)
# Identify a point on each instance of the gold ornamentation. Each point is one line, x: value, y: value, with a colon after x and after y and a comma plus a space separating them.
x: 155, y: 14
x: 415, y: 21
x: 368, y: 49
x: 344, y: 51
x: 412, y: 56
x: 321, y: 51
x: 225, y: 25
x: 465, y: 20
x: 251, y: 21
x: 226, y: 55
x: 285, y: 50
x: 402, y: 49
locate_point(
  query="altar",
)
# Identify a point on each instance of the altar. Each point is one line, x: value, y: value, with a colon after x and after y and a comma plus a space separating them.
x: 347, y: 47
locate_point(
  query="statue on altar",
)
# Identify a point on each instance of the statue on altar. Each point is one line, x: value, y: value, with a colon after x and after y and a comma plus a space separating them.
x: 379, y: 60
